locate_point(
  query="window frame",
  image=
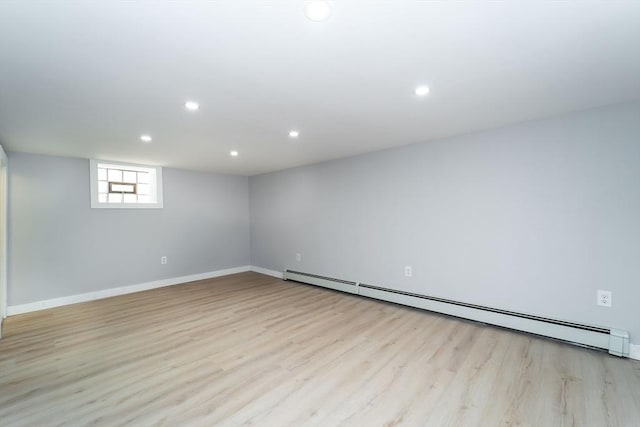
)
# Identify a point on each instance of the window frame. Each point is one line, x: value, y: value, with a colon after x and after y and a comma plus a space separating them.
x: 93, y: 182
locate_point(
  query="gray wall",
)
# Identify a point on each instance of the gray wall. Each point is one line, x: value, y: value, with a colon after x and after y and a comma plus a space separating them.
x: 533, y: 217
x: 59, y: 246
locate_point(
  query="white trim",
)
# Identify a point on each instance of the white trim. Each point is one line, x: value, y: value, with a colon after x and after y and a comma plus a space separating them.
x: 4, y: 201
x: 268, y: 272
x: 106, y: 293
x: 634, y: 351
x: 156, y: 185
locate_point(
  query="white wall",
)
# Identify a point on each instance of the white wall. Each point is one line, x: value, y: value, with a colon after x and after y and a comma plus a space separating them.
x: 59, y: 246
x: 533, y: 217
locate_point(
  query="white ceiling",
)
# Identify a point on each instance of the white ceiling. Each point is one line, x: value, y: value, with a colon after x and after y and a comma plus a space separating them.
x: 86, y: 79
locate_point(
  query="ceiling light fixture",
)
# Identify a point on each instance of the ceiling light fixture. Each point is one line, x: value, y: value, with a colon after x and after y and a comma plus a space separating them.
x: 233, y: 153
x: 422, y: 90
x: 294, y: 134
x: 192, y: 106
x: 317, y: 10
x: 145, y: 138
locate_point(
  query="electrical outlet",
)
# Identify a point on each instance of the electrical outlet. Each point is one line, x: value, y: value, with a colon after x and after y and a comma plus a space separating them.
x: 163, y: 260
x: 298, y: 257
x: 408, y: 271
x: 604, y: 298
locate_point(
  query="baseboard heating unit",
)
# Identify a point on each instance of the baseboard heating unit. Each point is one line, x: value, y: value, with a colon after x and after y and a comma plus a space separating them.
x: 614, y: 341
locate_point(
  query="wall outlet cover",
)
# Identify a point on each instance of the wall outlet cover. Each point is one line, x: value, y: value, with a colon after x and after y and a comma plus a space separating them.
x: 604, y: 298
x: 408, y: 271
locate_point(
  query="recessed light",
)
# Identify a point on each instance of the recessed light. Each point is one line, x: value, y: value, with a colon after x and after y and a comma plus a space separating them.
x: 233, y: 153
x: 317, y: 10
x: 294, y: 134
x: 145, y: 138
x: 422, y: 90
x: 192, y: 106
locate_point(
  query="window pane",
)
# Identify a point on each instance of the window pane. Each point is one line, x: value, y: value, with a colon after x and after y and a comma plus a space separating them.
x: 143, y: 177
x: 115, y: 175
x: 143, y: 188
x: 122, y: 188
x: 128, y: 176
x: 116, y: 185
x: 130, y: 198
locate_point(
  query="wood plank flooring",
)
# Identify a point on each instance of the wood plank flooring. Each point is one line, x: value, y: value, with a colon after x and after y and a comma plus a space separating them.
x: 248, y: 349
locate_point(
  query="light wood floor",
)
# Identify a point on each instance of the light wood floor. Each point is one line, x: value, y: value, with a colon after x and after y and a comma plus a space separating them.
x: 248, y: 349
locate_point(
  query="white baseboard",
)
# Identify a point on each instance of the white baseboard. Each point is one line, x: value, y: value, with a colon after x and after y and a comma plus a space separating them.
x: 266, y: 271
x: 106, y: 293
x: 634, y: 351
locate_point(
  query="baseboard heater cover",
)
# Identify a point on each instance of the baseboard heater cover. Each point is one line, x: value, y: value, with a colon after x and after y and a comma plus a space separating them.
x: 614, y: 341
x: 325, y: 282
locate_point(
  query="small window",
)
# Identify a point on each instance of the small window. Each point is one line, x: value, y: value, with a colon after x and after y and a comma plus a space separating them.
x: 125, y: 185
